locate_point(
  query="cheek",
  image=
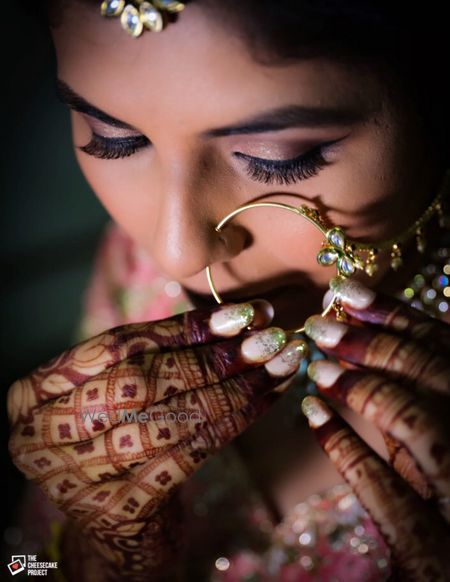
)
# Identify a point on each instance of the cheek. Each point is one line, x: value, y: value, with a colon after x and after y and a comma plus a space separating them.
x: 127, y: 198
x: 346, y: 193
x: 122, y: 186
x: 288, y: 241
x: 369, y: 185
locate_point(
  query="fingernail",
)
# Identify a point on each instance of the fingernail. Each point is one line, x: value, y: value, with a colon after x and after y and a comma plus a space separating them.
x: 327, y: 298
x: 230, y: 320
x: 263, y: 345
x: 316, y: 411
x: 352, y: 292
x: 324, y: 372
x: 326, y: 332
x: 288, y: 360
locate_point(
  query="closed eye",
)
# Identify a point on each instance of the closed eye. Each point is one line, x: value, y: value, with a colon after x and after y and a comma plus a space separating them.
x: 287, y: 171
x: 113, y: 148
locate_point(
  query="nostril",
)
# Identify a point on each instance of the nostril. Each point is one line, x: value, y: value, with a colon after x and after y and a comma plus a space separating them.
x: 248, y: 240
x: 235, y: 238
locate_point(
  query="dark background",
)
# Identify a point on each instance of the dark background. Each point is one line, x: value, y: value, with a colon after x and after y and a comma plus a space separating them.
x: 50, y: 224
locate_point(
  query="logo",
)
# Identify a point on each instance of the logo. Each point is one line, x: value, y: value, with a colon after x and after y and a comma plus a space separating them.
x: 17, y: 564
x: 30, y: 564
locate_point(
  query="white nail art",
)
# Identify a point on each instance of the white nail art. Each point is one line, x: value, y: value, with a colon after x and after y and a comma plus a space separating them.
x: 263, y: 345
x: 353, y: 292
x: 316, y: 411
x: 324, y: 372
x: 326, y: 332
x: 230, y: 320
x: 287, y: 361
x: 327, y: 298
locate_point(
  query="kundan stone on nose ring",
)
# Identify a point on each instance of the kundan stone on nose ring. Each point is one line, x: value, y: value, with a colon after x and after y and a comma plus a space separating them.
x: 348, y: 255
x: 335, y: 250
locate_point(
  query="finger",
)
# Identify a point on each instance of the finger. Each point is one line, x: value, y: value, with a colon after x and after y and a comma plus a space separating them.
x: 147, y: 544
x: 367, y: 306
x: 188, y: 455
x: 396, y: 411
x: 144, y: 380
x: 379, y: 350
x: 74, y: 367
x: 401, y: 459
x: 138, y: 437
x: 202, y: 326
x: 123, y: 508
x: 108, y: 502
x: 416, y: 535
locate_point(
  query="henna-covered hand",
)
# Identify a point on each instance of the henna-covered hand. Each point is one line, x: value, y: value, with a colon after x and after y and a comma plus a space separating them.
x: 393, y: 368
x: 111, y: 427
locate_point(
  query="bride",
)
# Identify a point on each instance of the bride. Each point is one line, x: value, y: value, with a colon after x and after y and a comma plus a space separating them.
x: 179, y: 115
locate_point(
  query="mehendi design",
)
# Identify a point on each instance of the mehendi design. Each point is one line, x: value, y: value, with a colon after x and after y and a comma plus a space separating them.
x: 111, y: 428
x: 395, y: 315
x: 61, y: 374
x: 400, y: 414
x: 399, y: 380
x: 417, y: 535
x: 396, y: 355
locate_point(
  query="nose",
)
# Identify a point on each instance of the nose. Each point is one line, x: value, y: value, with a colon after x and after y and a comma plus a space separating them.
x: 184, y: 239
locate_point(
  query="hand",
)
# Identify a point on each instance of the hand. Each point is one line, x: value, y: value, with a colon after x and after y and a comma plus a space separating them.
x: 394, y: 370
x: 200, y: 378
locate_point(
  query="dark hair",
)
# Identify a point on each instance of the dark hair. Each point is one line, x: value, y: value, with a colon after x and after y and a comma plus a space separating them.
x: 406, y: 47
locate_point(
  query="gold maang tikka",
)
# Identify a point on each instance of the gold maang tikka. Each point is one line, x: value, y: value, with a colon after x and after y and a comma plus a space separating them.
x: 138, y: 15
x: 346, y: 254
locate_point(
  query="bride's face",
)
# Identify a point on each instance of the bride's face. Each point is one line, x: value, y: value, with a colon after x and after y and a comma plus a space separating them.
x: 174, y: 130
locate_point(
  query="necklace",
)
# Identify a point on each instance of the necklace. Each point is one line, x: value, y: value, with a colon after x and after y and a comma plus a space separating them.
x: 427, y: 290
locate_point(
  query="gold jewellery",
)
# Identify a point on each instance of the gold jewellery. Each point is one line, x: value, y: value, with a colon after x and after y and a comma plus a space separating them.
x: 349, y: 255
x: 137, y: 15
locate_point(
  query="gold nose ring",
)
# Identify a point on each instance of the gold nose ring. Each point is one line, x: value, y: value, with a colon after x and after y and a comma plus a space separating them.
x: 335, y: 250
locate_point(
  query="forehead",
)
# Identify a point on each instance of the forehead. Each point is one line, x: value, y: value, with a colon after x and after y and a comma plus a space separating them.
x: 193, y: 68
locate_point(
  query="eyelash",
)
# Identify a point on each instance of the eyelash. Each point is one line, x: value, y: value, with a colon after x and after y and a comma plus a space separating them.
x: 114, y: 148
x: 284, y: 172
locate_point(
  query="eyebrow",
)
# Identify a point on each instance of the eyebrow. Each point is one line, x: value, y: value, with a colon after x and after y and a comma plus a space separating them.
x: 68, y: 96
x: 293, y: 116
x: 273, y: 120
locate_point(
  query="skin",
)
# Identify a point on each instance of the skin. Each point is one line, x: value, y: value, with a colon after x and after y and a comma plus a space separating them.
x: 168, y: 197
x: 180, y: 85
x: 411, y: 408
x: 118, y: 480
